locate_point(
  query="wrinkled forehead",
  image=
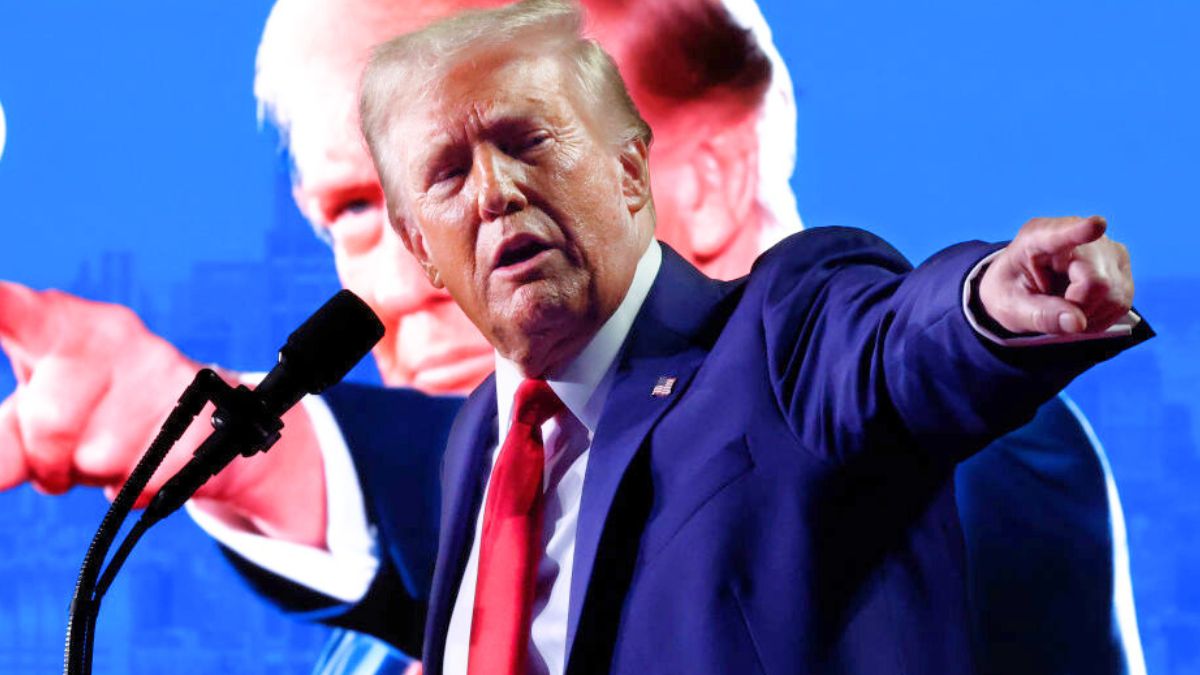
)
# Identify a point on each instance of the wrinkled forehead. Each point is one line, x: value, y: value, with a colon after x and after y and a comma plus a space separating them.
x: 497, y: 81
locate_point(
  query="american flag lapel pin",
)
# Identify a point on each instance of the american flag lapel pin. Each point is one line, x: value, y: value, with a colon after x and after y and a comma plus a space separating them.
x: 663, y: 387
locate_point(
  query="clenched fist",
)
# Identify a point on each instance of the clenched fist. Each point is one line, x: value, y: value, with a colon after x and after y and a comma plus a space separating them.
x: 93, y: 387
x: 1059, y: 276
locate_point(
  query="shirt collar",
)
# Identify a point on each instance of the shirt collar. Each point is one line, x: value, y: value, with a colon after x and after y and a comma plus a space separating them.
x: 579, y: 384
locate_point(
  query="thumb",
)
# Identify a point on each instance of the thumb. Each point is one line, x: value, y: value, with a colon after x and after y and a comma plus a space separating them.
x: 1062, y: 235
x: 1048, y: 314
x: 13, y: 468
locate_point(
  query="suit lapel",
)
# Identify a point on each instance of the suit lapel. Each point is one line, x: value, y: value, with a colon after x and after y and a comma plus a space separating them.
x: 471, y: 438
x: 666, y: 341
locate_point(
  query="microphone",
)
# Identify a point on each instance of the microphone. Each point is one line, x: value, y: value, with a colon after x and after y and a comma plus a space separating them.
x: 317, y: 355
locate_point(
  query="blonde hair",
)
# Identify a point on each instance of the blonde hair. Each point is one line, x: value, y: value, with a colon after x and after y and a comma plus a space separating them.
x: 409, y: 65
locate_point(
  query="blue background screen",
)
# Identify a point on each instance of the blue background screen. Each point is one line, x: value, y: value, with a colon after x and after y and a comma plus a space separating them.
x: 134, y: 171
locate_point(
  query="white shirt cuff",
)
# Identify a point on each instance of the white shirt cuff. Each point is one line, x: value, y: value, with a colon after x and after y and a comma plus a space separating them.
x: 1122, y: 328
x: 346, y: 569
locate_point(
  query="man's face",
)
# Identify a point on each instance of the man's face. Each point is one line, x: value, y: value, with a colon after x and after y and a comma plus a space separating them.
x: 519, y: 205
x: 429, y: 343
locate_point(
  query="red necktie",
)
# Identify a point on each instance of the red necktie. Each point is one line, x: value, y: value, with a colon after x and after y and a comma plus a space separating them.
x: 511, y: 545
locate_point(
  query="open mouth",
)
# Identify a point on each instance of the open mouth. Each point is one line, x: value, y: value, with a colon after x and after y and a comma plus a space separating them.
x: 520, y: 249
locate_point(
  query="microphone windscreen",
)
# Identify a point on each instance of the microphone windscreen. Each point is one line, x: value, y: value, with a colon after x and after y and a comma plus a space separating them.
x: 325, y: 347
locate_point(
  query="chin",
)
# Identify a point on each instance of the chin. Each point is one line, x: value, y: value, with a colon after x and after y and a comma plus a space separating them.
x: 389, y: 372
x: 532, y: 314
x: 452, y: 373
x: 542, y: 342
x: 457, y: 378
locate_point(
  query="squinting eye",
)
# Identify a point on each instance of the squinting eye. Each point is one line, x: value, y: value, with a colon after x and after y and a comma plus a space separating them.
x: 354, y: 222
x: 356, y: 206
x: 533, y: 141
x: 449, y: 174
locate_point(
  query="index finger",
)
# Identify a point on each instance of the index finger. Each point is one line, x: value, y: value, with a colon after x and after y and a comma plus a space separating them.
x: 1061, y: 235
x: 25, y: 320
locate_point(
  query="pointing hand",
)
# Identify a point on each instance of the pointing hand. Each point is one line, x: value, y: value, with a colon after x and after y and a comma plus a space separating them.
x: 93, y: 384
x: 1059, y: 276
x: 93, y: 387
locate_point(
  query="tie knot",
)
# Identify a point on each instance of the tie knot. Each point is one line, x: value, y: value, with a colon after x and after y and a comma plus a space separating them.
x: 535, y: 403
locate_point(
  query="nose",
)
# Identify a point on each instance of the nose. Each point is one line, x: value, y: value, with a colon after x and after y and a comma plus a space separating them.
x: 499, y: 183
x: 400, y: 285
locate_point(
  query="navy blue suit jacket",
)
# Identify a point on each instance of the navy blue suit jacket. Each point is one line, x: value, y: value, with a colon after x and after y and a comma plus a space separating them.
x: 1035, y: 510
x: 789, y: 507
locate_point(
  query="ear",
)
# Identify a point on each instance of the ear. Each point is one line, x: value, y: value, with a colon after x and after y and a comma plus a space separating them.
x: 635, y: 174
x: 725, y: 166
x: 411, y: 237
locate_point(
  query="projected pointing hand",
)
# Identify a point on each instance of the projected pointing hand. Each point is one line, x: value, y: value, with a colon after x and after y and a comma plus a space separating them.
x: 1059, y: 276
x: 93, y: 387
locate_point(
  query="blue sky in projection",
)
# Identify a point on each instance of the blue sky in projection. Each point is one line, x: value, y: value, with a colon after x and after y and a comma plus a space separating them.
x: 134, y: 170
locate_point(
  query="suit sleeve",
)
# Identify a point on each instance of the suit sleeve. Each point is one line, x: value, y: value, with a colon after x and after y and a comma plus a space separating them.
x: 867, y: 352
x: 396, y: 440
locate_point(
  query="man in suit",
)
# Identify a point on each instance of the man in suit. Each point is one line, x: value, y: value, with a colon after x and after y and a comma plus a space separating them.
x: 297, y: 47
x: 693, y: 246
x: 746, y: 473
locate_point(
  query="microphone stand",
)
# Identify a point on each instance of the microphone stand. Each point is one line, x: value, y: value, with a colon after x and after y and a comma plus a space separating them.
x: 243, y: 426
x: 316, y: 355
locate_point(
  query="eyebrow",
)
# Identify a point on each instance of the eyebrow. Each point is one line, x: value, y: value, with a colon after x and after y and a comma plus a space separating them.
x: 444, y: 142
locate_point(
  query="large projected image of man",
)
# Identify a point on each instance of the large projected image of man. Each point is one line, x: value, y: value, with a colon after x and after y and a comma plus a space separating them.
x: 708, y: 113
x: 715, y: 205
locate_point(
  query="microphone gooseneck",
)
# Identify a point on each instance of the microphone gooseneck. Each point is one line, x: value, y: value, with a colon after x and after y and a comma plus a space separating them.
x: 315, y: 356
